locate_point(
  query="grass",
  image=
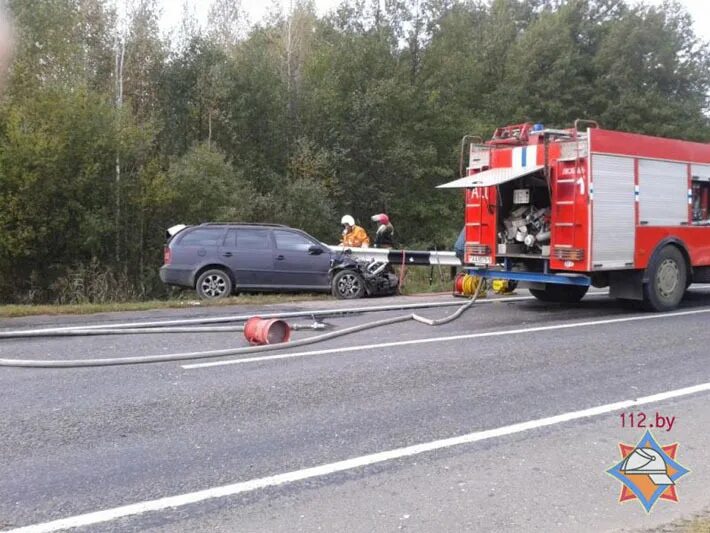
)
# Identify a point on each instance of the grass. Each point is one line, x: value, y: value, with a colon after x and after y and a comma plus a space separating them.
x: 13, y: 311
x: 691, y: 525
x: 699, y: 526
x: 425, y: 279
x: 417, y: 281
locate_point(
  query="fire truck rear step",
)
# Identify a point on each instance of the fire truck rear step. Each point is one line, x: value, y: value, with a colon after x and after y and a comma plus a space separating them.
x: 533, y: 277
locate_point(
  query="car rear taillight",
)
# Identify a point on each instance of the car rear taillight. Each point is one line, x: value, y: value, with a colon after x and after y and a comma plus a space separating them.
x: 166, y: 256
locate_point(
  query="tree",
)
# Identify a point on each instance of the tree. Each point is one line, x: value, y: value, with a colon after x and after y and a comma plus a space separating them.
x: 226, y: 24
x: 144, y: 58
x: 548, y: 74
x: 192, y: 95
x: 60, y: 43
x: 55, y: 183
x: 305, y: 204
x: 204, y: 187
x: 653, y: 74
x: 109, y: 134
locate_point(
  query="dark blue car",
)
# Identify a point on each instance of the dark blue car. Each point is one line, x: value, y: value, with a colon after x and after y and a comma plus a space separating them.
x: 221, y: 259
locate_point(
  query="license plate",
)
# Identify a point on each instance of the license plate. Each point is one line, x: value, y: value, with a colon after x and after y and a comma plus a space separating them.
x: 481, y: 259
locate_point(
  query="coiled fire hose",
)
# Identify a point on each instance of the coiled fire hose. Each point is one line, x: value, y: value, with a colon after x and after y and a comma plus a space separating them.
x: 83, y: 363
x: 468, y: 285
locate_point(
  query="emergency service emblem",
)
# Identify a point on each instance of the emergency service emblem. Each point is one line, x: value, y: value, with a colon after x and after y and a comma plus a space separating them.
x: 648, y: 472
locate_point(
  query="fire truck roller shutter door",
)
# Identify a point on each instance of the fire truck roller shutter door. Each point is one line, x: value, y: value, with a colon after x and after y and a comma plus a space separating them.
x: 614, y: 224
x: 663, y: 193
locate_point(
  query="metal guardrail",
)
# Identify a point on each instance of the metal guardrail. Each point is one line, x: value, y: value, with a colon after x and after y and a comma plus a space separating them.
x: 397, y: 257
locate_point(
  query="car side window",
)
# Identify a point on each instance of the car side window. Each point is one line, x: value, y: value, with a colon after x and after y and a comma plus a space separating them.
x: 203, y: 237
x: 292, y: 241
x: 249, y: 239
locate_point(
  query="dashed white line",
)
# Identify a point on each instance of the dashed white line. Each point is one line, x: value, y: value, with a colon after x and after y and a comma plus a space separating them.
x: 430, y: 340
x: 181, y: 500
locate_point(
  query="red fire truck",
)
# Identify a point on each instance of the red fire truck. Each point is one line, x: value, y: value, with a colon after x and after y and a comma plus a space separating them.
x: 563, y: 209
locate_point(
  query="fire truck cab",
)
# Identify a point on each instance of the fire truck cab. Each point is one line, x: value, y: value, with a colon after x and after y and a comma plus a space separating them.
x: 563, y: 209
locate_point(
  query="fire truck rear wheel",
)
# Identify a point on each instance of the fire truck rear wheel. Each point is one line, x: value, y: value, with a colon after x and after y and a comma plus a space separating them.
x: 667, y: 275
x: 566, y: 294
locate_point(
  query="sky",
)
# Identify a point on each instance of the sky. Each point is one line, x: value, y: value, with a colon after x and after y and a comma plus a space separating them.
x: 256, y: 9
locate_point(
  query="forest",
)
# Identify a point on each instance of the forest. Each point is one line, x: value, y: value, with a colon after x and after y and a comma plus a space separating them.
x: 110, y: 131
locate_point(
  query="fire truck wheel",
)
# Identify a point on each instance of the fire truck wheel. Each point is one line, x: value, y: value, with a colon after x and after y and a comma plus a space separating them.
x: 348, y: 285
x: 667, y: 280
x: 566, y: 294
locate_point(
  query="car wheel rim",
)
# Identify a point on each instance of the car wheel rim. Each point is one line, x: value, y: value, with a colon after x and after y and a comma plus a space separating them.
x: 349, y: 285
x: 214, y: 286
x: 667, y: 278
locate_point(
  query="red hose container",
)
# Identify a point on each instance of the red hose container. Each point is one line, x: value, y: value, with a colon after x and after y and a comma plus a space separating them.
x: 260, y: 331
x: 458, y: 283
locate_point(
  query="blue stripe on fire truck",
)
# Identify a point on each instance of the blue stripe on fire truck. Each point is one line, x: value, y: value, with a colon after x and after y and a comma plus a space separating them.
x: 524, y: 156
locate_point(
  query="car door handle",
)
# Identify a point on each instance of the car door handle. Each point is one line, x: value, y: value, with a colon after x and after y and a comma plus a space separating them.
x: 227, y: 254
x: 280, y: 258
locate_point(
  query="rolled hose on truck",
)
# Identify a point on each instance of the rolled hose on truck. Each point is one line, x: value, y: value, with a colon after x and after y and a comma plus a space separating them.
x: 119, y: 361
x: 467, y: 285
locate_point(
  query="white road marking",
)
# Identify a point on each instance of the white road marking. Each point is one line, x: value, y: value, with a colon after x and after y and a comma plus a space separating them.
x: 181, y: 500
x: 431, y: 340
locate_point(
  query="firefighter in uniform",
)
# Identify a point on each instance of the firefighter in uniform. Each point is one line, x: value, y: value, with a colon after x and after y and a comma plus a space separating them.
x: 353, y: 236
x: 460, y: 244
x: 384, y: 237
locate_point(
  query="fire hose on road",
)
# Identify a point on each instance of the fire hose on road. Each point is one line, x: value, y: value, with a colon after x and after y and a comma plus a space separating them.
x: 83, y: 363
x: 143, y: 331
x: 160, y: 325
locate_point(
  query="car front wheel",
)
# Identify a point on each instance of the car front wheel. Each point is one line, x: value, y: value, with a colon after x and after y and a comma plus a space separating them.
x: 213, y: 285
x: 348, y: 285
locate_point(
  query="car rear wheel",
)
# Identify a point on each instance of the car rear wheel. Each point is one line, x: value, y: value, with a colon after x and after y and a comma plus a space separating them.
x: 213, y: 284
x: 348, y: 285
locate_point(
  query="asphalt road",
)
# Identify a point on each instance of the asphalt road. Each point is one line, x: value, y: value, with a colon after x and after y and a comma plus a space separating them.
x: 78, y: 441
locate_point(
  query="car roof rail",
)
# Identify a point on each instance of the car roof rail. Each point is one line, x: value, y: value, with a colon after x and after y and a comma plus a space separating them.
x: 244, y: 224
